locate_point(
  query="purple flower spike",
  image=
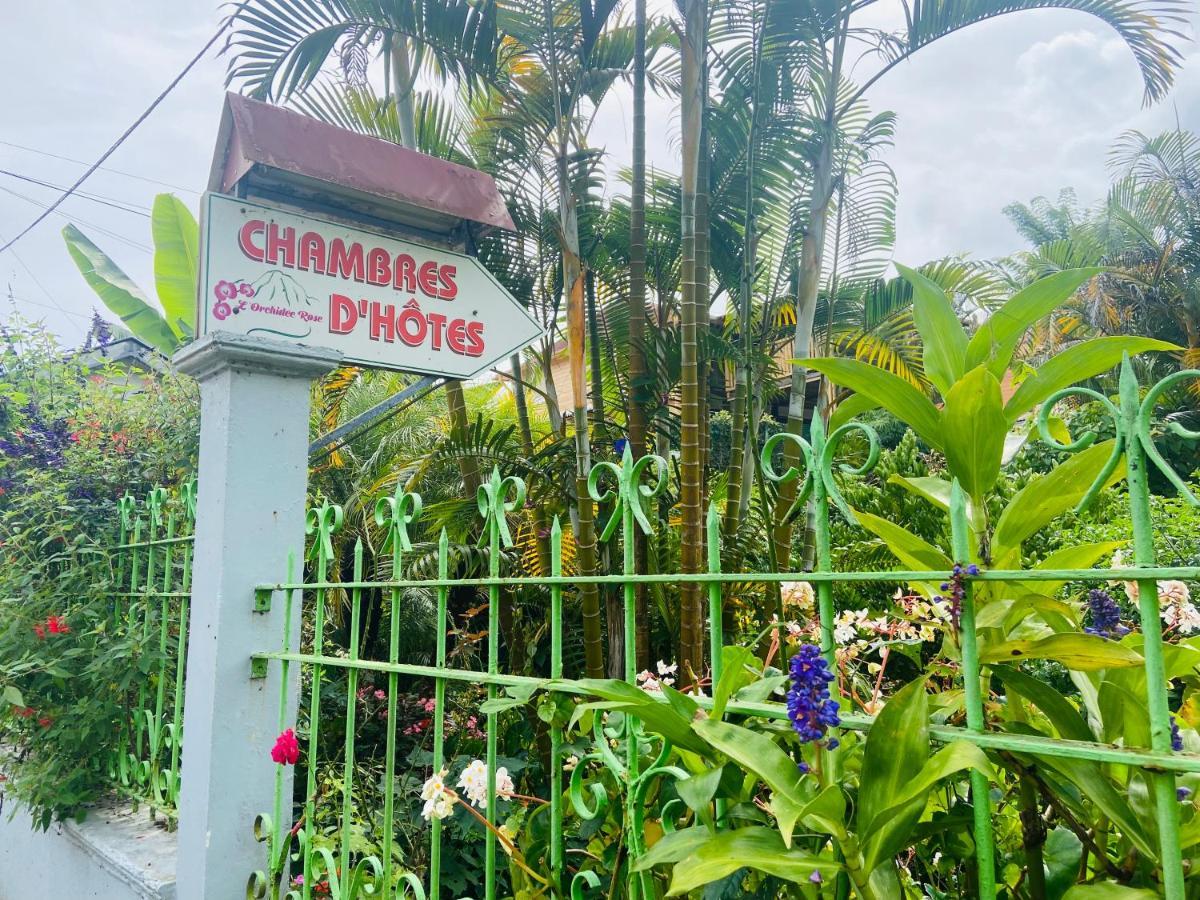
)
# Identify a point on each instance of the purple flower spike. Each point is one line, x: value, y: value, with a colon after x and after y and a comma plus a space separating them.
x: 810, y: 708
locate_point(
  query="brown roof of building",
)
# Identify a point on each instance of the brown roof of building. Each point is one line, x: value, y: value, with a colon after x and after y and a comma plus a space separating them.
x: 271, y: 151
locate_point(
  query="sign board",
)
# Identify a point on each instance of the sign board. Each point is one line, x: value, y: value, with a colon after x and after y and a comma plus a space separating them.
x: 384, y: 303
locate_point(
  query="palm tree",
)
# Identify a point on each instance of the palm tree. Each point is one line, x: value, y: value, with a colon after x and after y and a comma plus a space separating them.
x: 836, y: 30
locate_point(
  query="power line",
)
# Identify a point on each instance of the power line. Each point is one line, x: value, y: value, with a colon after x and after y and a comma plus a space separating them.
x: 80, y: 162
x: 100, y: 228
x: 21, y: 299
x: 143, y: 211
x: 128, y: 131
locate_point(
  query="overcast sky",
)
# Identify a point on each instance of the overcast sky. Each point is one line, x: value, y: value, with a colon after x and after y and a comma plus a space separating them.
x: 1024, y: 105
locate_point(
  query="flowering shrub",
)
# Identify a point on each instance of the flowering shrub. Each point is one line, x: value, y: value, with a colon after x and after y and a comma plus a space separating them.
x: 72, y: 441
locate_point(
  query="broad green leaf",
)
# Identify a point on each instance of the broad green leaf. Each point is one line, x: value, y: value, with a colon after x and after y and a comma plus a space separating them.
x: 1109, y: 890
x: 1082, y: 361
x: 854, y: 405
x: 733, y: 675
x: 937, y: 492
x: 757, y: 848
x: 942, y: 334
x: 973, y: 430
x: 1089, y: 779
x: 672, y: 847
x: 890, y: 391
x: 1080, y: 556
x: 1047, y: 497
x: 1062, y: 714
x: 176, y: 248
x: 657, y: 715
x: 996, y: 339
x: 697, y: 792
x: 1086, y: 652
x: 119, y: 293
x: 759, y: 755
x: 1061, y: 854
x: 913, y: 551
x: 758, y: 691
x: 896, y: 749
x: 1123, y: 715
x: 13, y: 696
x: 881, y: 839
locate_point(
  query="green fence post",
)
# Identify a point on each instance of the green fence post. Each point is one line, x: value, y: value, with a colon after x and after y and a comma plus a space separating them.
x: 556, y: 730
x: 394, y: 514
x: 439, y: 710
x: 1135, y: 423
x: 321, y: 523
x: 494, y: 506
x: 960, y: 540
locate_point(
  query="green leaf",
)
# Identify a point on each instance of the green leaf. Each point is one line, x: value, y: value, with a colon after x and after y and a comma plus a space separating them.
x: 119, y: 293
x: 1085, y: 652
x: 1061, y: 853
x: 890, y: 391
x: 697, y: 792
x: 1047, y: 497
x: 657, y: 715
x: 996, y: 339
x: 13, y: 696
x: 759, y: 755
x: 854, y: 405
x: 883, y: 839
x: 756, y: 848
x: 1084, y: 360
x: 672, y: 847
x: 1080, y: 556
x: 733, y: 674
x: 1109, y: 890
x: 937, y: 492
x: 973, y: 430
x: 176, y: 248
x: 913, y: 551
x: 942, y: 334
x: 896, y: 749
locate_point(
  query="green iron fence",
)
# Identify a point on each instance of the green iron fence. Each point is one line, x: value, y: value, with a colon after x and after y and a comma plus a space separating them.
x: 343, y: 840
x: 153, y: 566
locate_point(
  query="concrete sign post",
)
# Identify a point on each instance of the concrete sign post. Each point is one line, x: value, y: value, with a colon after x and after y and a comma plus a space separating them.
x: 318, y: 246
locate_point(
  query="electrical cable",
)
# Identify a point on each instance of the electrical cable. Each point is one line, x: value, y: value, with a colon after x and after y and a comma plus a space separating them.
x: 124, y: 136
x: 143, y: 211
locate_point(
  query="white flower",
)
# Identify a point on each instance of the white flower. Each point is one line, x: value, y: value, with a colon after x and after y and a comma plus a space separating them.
x: 797, y: 593
x: 474, y: 782
x: 439, y: 802
x: 794, y: 630
x: 1175, y: 592
x: 664, y: 669
x: 844, y: 631
x: 698, y: 692
x: 570, y: 763
x: 1183, y: 616
x: 872, y: 707
x: 648, y: 682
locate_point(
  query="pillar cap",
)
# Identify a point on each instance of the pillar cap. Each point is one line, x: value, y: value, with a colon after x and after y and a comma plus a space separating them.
x: 221, y: 350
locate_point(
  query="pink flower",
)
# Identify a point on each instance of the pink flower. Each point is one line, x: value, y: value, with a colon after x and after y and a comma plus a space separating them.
x: 245, y: 290
x: 429, y: 705
x: 221, y: 310
x: 380, y: 694
x: 286, y: 751
x: 225, y: 290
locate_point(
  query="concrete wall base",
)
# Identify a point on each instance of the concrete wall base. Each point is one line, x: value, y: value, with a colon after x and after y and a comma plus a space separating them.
x: 114, y: 854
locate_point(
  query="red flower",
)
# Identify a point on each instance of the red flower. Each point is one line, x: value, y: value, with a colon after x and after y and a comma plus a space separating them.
x: 40, y: 631
x: 23, y: 711
x: 45, y: 721
x: 58, y: 625
x: 286, y: 751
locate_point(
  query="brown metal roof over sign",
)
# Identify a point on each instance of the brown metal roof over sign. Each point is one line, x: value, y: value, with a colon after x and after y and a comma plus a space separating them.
x: 277, y: 154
